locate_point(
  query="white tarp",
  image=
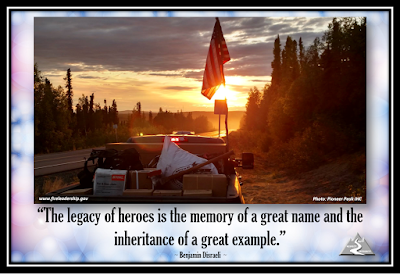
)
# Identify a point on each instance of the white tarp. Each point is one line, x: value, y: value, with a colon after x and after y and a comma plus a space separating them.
x: 174, y: 159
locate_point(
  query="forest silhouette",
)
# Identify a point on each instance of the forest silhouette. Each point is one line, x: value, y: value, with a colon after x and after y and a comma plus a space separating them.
x: 60, y: 127
x: 314, y: 109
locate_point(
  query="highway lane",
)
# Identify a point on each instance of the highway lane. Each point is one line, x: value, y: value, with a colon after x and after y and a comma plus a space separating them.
x: 59, y: 162
x: 215, y: 133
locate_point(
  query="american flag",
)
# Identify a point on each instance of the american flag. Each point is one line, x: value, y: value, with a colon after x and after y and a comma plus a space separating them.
x: 217, y: 56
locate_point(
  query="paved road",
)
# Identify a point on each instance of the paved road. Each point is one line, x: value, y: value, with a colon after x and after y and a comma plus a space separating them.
x: 59, y: 162
x: 64, y: 161
x: 215, y: 133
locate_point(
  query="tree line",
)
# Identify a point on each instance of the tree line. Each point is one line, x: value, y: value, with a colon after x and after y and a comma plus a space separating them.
x: 315, y: 106
x: 165, y: 122
x: 61, y: 127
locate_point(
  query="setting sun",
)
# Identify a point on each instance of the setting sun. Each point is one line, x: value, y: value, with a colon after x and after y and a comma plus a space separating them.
x: 231, y: 96
x: 224, y: 92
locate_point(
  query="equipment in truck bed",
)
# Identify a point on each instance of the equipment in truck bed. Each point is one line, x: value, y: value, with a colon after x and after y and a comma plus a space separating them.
x: 225, y: 188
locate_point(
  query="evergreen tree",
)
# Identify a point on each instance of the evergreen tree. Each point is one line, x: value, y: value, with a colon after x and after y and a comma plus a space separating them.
x: 290, y: 64
x: 252, y: 115
x: 114, y: 113
x: 82, y: 113
x: 150, y: 117
x: 139, y: 108
x: 301, y: 54
x: 79, y: 118
x: 98, y: 117
x: 105, y: 114
x: 68, y: 85
x: 38, y: 95
x: 51, y: 116
x: 201, y: 124
x: 91, y: 123
x: 276, y: 64
x: 136, y: 115
x: 189, y: 121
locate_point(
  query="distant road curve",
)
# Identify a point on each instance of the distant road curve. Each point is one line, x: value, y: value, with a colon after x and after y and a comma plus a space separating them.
x: 215, y: 133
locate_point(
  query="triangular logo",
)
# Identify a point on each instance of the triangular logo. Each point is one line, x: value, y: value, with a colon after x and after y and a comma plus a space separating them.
x: 358, y: 246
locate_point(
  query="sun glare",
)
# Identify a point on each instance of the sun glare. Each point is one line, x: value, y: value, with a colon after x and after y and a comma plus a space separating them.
x: 225, y: 92
x: 222, y: 92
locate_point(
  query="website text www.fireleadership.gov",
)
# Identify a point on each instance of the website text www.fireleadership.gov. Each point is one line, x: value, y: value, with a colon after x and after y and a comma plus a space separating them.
x: 63, y: 198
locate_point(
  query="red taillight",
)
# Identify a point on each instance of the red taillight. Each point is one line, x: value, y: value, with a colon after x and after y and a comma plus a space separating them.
x: 177, y: 139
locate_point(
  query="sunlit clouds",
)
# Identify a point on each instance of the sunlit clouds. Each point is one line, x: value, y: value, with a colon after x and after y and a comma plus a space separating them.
x: 160, y: 61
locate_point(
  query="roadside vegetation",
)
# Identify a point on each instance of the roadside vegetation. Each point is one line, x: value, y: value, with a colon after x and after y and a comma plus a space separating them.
x: 60, y: 126
x: 313, y: 113
x: 46, y: 184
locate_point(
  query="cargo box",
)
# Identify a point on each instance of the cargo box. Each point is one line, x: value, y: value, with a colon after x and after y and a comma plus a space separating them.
x: 217, y: 183
x: 140, y: 179
x: 109, y: 182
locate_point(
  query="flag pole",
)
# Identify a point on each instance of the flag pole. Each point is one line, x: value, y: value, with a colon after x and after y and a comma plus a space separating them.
x: 213, y: 76
x: 219, y: 125
x: 226, y: 125
x: 226, y: 115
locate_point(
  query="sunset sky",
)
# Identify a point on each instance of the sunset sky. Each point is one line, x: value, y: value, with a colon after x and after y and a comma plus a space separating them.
x: 160, y: 61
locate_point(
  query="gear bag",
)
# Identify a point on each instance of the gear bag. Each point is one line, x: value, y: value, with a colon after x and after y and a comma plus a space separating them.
x: 128, y: 159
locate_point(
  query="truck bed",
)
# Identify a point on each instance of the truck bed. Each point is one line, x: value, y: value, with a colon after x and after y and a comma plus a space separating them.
x: 148, y: 148
x: 234, y: 195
